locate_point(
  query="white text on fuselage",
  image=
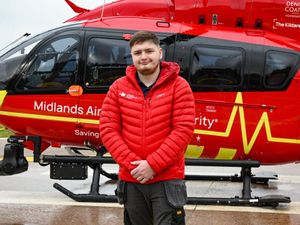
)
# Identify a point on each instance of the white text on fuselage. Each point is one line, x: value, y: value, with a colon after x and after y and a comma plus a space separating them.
x: 205, y: 121
x: 87, y: 133
x: 292, y: 7
x: 58, y: 108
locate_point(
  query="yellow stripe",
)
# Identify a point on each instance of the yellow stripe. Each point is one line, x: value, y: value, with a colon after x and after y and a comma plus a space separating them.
x: 48, y: 117
x: 90, y: 121
x: 226, y: 153
x: 194, y: 151
x: 43, y: 117
x: 38, y: 116
x: 2, y: 96
x: 220, y: 133
x: 264, y: 120
x: 29, y: 158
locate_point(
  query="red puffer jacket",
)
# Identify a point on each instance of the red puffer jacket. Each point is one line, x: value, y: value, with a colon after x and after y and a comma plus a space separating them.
x: 157, y: 127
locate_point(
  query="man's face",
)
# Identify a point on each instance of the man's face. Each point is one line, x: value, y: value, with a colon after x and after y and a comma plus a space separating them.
x: 146, y: 57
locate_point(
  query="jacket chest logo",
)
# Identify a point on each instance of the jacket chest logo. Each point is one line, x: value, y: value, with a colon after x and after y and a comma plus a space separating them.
x: 160, y: 95
x: 127, y: 95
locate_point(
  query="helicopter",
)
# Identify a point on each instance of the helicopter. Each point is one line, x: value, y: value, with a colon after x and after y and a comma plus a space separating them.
x: 241, y: 59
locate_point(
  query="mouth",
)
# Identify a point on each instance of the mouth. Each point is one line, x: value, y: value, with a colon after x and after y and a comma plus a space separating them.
x: 144, y: 63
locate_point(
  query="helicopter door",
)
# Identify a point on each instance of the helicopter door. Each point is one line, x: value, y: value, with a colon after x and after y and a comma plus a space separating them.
x: 106, y: 57
x: 107, y: 54
x: 45, y: 91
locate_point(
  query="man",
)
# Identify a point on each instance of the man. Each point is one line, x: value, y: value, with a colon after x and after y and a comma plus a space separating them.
x: 146, y: 122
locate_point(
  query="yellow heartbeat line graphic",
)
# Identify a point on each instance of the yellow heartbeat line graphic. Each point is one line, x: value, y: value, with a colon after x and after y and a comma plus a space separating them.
x: 264, y: 120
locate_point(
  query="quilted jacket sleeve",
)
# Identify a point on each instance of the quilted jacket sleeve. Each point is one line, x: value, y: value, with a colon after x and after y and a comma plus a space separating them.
x: 110, y: 130
x: 183, y: 119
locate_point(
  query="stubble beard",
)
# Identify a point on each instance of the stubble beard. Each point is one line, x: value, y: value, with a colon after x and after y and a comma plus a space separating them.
x: 148, y: 71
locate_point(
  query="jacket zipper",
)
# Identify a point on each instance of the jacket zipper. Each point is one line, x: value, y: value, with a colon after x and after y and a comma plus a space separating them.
x: 146, y: 116
x: 143, y: 124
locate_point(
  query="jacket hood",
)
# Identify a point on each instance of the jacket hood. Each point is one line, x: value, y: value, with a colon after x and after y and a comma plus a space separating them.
x: 168, y: 70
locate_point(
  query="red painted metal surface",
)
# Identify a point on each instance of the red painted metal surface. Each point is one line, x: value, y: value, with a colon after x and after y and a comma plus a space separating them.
x: 278, y: 16
x: 261, y: 126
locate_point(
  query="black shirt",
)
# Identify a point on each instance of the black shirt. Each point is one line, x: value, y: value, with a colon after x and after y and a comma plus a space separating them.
x: 144, y: 88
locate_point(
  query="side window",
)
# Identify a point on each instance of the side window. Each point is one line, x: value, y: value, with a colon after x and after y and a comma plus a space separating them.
x: 106, y: 61
x: 54, y: 65
x: 216, y: 67
x: 278, y: 67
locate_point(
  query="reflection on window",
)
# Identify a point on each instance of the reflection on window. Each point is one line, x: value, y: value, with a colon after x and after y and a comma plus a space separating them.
x: 54, y: 65
x: 216, y: 67
x: 107, y: 60
x: 9, y: 65
x: 278, y: 67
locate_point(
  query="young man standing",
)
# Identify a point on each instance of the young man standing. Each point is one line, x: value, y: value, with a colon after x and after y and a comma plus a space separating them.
x: 146, y: 122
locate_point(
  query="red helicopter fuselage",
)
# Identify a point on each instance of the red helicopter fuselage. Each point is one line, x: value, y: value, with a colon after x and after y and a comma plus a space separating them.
x: 245, y: 78
x: 278, y: 16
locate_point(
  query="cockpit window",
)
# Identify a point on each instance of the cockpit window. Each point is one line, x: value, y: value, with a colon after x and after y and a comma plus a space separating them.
x: 106, y: 61
x: 53, y: 66
x: 11, y: 58
x: 10, y: 62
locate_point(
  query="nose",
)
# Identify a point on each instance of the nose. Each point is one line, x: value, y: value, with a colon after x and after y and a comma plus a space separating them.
x: 144, y: 54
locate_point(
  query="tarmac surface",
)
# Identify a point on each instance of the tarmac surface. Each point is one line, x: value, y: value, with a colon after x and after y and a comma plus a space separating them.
x: 30, y: 199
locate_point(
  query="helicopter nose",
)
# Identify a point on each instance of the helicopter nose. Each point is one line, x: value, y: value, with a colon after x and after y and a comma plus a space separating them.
x: 3, y: 74
x: 8, y: 69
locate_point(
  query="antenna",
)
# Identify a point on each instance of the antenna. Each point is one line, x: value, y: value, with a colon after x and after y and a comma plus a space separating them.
x: 102, y: 10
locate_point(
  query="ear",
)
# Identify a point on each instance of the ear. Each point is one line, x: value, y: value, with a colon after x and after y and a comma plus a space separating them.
x: 160, y: 54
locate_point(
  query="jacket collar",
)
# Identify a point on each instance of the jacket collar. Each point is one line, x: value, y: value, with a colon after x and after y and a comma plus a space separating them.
x: 168, y: 70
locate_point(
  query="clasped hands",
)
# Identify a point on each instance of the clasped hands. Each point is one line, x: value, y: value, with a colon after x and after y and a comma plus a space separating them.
x: 143, y: 171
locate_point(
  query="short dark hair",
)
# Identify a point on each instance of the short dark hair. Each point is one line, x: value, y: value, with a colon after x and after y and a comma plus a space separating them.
x: 142, y: 36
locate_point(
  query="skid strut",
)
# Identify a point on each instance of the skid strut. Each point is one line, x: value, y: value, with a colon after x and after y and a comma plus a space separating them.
x: 246, y: 178
x: 96, y: 162
x: 75, y: 168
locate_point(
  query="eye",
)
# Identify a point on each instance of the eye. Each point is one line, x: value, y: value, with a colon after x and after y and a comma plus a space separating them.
x: 136, y: 53
x: 149, y: 51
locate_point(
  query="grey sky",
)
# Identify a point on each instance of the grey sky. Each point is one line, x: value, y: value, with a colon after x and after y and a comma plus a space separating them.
x: 34, y: 16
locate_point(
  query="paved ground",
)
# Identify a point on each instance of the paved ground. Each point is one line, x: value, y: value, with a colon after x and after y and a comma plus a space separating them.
x: 30, y: 199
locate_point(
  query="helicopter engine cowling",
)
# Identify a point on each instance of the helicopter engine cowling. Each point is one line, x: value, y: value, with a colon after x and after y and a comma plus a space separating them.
x: 13, y: 161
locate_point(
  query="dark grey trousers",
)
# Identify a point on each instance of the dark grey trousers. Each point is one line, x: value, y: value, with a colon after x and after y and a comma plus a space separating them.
x: 149, y: 205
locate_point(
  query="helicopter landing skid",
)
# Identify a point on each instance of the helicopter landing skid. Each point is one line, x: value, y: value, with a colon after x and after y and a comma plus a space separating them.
x: 93, y: 195
x: 259, y: 178
x: 96, y: 162
x: 246, y: 177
